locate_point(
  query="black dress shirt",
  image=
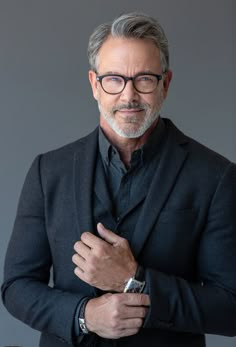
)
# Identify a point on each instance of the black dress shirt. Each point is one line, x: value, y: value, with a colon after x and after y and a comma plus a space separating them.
x: 127, y: 186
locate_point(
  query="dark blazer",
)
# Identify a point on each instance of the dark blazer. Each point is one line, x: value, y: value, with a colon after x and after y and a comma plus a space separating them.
x: 185, y: 237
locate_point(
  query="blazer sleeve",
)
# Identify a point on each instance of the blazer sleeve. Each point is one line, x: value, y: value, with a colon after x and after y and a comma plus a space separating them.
x: 209, y: 304
x: 25, y: 291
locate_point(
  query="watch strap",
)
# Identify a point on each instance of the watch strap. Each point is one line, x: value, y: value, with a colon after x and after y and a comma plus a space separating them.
x: 139, y: 274
x: 82, y: 322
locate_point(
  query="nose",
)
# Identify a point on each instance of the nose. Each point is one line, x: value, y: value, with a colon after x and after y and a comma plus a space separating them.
x: 129, y: 94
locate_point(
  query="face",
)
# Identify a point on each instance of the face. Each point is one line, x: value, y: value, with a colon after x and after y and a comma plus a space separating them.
x: 130, y: 113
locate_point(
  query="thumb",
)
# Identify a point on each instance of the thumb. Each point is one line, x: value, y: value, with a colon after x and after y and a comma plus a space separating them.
x: 107, y: 235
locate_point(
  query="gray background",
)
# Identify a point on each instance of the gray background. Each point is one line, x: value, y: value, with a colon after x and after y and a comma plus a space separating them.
x: 45, y: 98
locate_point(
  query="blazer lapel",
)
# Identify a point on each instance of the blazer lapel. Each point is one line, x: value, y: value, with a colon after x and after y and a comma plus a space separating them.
x: 84, y: 169
x: 101, y: 187
x: 171, y: 162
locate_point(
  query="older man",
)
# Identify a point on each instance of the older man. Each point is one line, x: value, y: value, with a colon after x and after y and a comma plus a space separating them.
x: 137, y: 220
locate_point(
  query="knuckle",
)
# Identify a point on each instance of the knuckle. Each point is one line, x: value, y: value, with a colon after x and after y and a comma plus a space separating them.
x: 85, y: 235
x: 104, y: 248
x: 100, y: 251
x: 92, y: 260
x: 115, y: 314
x: 78, y: 244
x: 143, y: 299
x: 124, y: 242
x: 113, y: 323
x: 90, y: 270
x: 117, y: 300
x: 75, y: 245
x: 139, y: 322
x: 77, y: 272
x: 143, y: 312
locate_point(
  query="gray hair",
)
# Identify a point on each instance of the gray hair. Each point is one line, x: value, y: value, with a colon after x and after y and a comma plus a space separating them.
x: 130, y: 25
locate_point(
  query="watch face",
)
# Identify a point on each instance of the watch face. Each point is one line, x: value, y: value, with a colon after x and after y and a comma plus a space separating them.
x: 134, y: 286
x: 134, y: 290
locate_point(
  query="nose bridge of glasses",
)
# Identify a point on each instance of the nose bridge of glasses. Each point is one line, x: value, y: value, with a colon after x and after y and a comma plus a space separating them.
x: 132, y: 84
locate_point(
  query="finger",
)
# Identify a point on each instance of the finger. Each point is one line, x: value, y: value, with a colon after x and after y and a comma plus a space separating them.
x: 78, y: 261
x: 136, y: 312
x: 79, y: 273
x: 91, y: 240
x: 136, y: 299
x: 128, y: 332
x: 131, y: 323
x: 107, y: 235
x: 82, y: 249
x: 121, y: 333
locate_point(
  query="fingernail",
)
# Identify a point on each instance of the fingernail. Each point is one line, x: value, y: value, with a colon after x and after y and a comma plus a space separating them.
x: 100, y: 226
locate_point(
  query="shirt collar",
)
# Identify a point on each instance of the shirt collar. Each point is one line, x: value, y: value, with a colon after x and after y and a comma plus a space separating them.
x: 143, y: 154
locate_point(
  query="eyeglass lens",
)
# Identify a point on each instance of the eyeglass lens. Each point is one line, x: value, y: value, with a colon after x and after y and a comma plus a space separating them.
x: 142, y: 83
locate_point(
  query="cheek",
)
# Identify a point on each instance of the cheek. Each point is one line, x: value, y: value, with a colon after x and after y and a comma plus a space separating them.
x: 152, y: 101
x: 107, y: 101
x: 157, y: 102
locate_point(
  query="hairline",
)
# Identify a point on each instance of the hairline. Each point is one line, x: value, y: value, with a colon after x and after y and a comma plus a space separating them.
x: 147, y: 39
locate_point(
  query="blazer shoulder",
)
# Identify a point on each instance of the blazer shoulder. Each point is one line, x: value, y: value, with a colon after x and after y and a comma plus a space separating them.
x: 198, y: 152
x: 59, y: 162
x: 66, y: 152
x: 207, y: 158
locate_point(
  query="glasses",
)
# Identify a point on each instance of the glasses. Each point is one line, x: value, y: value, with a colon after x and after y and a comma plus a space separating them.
x: 115, y: 84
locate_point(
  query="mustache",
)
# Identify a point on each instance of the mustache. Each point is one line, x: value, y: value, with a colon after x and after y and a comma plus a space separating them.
x: 131, y: 105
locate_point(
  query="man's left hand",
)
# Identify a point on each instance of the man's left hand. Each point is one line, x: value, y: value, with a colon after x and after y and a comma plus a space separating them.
x: 105, y: 263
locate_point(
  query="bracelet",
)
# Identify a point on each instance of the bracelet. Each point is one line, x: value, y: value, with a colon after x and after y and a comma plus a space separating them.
x: 82, y: 323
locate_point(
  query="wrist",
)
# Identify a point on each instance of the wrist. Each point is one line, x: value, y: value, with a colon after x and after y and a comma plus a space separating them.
x: 89, y: 314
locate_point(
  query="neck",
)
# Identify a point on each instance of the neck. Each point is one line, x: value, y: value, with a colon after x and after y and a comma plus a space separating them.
x: 126, y: 146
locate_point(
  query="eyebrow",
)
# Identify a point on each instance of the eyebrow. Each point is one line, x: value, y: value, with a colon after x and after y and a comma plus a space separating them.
x: 118, y: 73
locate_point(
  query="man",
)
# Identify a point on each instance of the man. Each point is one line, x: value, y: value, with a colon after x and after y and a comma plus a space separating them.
x: 137, y: 220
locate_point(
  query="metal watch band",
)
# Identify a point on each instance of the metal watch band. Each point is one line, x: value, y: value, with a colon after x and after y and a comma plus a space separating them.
x: 136, y: 284
x: 139, y: 274
x: 82, y: 323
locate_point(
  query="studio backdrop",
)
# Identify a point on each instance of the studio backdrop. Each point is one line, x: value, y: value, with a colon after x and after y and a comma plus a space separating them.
x: 46, y: 101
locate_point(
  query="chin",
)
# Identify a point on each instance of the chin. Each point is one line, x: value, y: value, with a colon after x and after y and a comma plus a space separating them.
x: 129, y: 133
x: 130, y: 130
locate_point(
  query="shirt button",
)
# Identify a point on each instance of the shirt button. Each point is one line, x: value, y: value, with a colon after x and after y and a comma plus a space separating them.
x: 117, y: 219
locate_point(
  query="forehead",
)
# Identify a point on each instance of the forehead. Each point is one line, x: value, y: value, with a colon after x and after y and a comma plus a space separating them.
x: 118, y: 54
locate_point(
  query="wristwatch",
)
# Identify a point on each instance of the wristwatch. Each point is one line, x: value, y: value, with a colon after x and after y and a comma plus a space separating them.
x: 82, y: 323
x: 136, y: 284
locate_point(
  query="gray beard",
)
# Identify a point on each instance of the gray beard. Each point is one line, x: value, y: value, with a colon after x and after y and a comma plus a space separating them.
x: 130, y: 133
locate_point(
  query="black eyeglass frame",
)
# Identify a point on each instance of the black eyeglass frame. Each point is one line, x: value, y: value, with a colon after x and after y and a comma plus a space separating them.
x: 99, y: 78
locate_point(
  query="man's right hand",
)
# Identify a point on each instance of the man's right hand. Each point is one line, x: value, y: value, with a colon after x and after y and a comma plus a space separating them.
x: 116, y: 315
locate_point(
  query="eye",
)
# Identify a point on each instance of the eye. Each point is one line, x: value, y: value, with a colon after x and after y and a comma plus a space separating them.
x: 113, y: 79
x: 145, y: 78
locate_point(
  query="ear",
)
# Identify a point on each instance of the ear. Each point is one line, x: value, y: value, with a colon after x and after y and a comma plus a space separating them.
x: 93, y: 83
x: 166, y: 81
